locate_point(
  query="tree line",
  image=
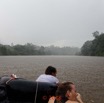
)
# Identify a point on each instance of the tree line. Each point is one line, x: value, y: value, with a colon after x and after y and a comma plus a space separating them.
x: 94, y: 47
x: 31, y: 49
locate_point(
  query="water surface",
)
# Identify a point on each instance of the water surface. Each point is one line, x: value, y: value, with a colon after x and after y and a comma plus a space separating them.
x: 85, y: 71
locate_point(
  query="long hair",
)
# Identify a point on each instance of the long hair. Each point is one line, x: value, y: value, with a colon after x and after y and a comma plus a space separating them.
x: 61, y: 92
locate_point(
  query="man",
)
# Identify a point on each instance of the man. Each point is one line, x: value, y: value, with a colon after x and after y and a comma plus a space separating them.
x: 66, y: 93
x: 49, y: 76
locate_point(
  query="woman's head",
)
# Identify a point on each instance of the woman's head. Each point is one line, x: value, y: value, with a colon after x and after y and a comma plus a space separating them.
x: 51, y: 71
x: 66, y: 91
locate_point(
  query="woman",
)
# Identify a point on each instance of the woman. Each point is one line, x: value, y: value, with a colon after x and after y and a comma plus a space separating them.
x: 66, y: 93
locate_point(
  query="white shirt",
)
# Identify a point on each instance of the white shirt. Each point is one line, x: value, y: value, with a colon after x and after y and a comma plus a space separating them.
x: 47, y: 78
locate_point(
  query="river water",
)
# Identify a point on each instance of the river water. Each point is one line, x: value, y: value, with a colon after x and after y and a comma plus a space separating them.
x: 86, y: 72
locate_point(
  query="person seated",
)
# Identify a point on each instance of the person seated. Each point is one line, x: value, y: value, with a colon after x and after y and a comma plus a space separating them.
x: 66, y: 93
x: 49, y: 76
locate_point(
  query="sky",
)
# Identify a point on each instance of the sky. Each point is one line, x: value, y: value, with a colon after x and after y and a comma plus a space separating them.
x: 50, y: 22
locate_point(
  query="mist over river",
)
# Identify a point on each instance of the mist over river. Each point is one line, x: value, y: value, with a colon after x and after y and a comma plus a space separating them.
x: 86, y: 72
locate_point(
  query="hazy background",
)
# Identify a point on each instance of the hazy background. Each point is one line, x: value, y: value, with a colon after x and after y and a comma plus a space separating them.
x: 50, y: 22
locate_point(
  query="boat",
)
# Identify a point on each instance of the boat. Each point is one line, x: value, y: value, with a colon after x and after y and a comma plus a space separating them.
x: 20, y: 90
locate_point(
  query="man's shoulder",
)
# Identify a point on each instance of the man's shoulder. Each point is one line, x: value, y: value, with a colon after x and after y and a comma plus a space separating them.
x: 52, y: 77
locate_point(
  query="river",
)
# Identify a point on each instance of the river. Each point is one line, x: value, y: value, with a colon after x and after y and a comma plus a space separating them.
x: 86, y: 72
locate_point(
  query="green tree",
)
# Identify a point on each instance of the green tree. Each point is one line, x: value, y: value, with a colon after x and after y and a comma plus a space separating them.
x: 98, y: 45
x: 86, y: 48
x: 3, y: 50
x: 94, y: 47
x: 95, y: 34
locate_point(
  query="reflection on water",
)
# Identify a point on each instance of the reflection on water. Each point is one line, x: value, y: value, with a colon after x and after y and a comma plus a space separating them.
x: 86, y: 72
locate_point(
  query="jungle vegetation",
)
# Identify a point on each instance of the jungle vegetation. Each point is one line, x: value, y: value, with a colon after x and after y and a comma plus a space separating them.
x: 31, y: 49
x: 94, y: 47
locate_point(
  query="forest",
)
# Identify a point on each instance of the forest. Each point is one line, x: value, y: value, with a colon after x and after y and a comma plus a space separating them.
x: 31, y: 49
x: 94, y: 47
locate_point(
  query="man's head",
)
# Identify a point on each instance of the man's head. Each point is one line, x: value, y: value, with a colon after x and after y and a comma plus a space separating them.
x: 66, y: 91
x: 71, y: 93
x: 51, y: 71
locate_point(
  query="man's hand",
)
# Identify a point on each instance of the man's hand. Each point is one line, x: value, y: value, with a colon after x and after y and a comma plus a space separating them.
x: 79, y: 98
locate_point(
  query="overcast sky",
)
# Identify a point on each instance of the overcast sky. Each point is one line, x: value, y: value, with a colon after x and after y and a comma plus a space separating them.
x: 50, y: 22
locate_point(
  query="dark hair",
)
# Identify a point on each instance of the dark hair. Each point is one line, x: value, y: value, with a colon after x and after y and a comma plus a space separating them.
x: 49, y: 70
x: 61, y: 92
